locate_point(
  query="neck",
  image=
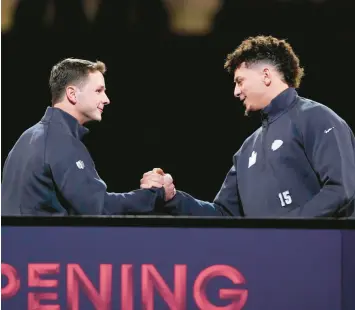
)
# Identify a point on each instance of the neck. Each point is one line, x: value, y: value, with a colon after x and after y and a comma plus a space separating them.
x: 69, y: 108
x: 274, y: 92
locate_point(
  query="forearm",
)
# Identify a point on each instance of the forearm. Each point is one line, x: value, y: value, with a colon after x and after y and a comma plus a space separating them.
x: 185, y: 204
x: 141, y: 201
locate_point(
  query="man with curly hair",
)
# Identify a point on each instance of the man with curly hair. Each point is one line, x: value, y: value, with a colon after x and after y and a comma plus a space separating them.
x: 299, y: 163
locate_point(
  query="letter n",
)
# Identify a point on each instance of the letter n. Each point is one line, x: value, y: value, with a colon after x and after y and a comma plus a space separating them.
x: 151, y: 278
x: 76, y: 276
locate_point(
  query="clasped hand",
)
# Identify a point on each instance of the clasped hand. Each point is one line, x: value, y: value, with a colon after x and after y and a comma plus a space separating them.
x: 157, y: 178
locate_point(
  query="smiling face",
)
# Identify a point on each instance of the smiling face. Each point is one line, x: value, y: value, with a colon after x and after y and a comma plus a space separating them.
x: 252, y: 86
x: 89, y: 97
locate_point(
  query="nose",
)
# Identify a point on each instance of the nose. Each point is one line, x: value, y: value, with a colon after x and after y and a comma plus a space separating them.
x: 237, y: 91
x: 106, y: 100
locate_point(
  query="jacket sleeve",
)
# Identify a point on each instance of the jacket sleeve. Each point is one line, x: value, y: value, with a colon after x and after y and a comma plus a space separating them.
x: 84, y: 191
x: 226, y: 203
x: 330, y: 147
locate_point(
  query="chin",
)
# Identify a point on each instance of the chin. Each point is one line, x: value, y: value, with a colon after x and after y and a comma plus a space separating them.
x: 254, y: 108
x: 95, y: 119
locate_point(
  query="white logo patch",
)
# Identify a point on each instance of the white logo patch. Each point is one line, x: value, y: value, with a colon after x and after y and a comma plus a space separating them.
x: 252, y: 159
x: 327, y: 130
x: 276, y: 144
x: 80, y: 164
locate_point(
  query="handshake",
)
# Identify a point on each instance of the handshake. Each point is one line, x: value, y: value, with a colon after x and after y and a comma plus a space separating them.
x: 157, y: 178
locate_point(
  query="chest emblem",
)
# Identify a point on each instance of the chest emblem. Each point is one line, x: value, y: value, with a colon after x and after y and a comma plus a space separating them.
x: 276, y: 144
x: 80, y: 164
x: 252, y: 159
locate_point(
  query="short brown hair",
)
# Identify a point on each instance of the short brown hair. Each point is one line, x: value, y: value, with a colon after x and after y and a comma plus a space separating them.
x: 269, y: 49
x: 69, y: 71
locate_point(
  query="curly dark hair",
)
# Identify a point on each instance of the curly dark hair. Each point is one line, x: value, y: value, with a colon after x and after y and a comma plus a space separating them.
x: 269, y: 49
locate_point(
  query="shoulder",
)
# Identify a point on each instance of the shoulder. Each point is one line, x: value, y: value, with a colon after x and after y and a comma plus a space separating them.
x: 311, y: 115
x: 35, y: 130
x: 314, y: 111
x: 31, y: 139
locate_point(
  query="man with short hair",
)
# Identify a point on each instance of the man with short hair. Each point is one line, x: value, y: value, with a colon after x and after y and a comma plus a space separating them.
x: 299, y: 163
x: 50, y: 172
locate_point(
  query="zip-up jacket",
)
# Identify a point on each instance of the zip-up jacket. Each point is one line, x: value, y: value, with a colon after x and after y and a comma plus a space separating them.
x: 299, y: 163
x: 49, y: 171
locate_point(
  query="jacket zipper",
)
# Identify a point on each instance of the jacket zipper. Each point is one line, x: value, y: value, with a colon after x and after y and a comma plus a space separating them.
x: 265, y: 127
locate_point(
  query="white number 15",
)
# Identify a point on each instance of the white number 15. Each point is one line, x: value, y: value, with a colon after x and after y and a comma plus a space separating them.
x: 285, y: 198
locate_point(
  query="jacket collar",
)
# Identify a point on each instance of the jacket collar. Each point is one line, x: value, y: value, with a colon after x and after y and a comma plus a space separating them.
x: 279, y: 105
x: 68, y: 122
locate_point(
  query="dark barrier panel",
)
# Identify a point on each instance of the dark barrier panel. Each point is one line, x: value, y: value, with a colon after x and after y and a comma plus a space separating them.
x: 148, y: 263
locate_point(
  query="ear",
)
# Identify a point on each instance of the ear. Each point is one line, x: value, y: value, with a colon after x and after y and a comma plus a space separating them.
x: 70, y: 92
x: 267, y: 76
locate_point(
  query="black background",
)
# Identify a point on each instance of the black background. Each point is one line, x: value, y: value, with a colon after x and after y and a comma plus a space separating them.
x: 172, y: 103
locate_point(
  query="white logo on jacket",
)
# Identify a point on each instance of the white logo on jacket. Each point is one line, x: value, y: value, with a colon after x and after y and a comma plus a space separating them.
x: 252, y: 159
x: 80, y: 164
x: 276, y: 144
x: 327, y: 130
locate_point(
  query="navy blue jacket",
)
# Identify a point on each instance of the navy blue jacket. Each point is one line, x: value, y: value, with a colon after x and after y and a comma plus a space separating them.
x: 50, y: 172
x: 300, y: 163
